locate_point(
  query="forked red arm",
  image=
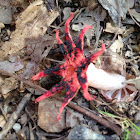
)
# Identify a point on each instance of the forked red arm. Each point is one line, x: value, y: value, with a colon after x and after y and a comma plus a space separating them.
x: 39, y: 75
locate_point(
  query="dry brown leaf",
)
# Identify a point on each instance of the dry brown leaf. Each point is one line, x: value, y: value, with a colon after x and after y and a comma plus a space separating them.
x: 117, y: 45
x: 40, y: 47
x: 135, y: 81
x: 8, y: 85
x: 113, y: 10
x: 135, y: 14
x: 112, y: 28
x: 30, y: 69
x: 131, y: 3
x: 92, y: 4
x: 32, y: 22
x: 111, y: 62
x: 66, y: 13
x: 37, y: 49
x: 11, y: 67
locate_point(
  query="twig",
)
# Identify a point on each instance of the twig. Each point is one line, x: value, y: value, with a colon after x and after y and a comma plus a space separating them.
x: 93, y: 116
x: 86, y: 112
x: 119, y: 24
x: 13, y: 118
x: 133, y: 18
x: 57, y: 4
x: 97, y: 38
x: 3, y: 113
x: 53, y: 60
x: 28, y: 113
x: 23, y: 80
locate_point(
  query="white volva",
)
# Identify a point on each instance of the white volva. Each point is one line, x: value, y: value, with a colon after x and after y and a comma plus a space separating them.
x: 100, y: 79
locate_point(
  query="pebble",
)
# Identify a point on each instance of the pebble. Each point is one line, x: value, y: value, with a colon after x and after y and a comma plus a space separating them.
x: 81, y: 132
x: 48, y: 110
x: 5, y: 12
x: 17, y: 127
x: 73, y: 118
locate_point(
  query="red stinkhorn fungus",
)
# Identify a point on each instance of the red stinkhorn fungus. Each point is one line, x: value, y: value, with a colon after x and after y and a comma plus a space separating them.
x: 73, y: 70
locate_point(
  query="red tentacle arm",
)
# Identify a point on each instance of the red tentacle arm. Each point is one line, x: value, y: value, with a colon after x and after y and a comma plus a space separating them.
x: 59, y: 41
x: 86, y: 94
x: 81, y: 36
x: 69, y: 96
x: 62, y: 46
x: 55, y: 70
x: 69, y: 42
x: 94, y: 56
x: 55, y: 89
x: 68, y: 36
x: 82, y: 77
x: 39, y: 75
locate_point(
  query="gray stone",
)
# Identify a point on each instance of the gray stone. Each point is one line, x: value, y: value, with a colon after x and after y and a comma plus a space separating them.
x: 80, y: 132
x: 47, y: 114
x: 5, y: 12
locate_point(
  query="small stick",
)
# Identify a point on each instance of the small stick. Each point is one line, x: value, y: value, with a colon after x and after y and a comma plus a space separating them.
x: 13, y: 118
x: 23, y: 80
x: 3, y: 113
x: 53, y: 60
x: 97, y: 38
x: 133, y: 18
x: 28, y: 113
x: 93, y: 116
x: 86, y: 112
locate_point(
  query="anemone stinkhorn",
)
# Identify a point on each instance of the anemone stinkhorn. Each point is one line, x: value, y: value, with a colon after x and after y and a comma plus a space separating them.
x: 73, y: 70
